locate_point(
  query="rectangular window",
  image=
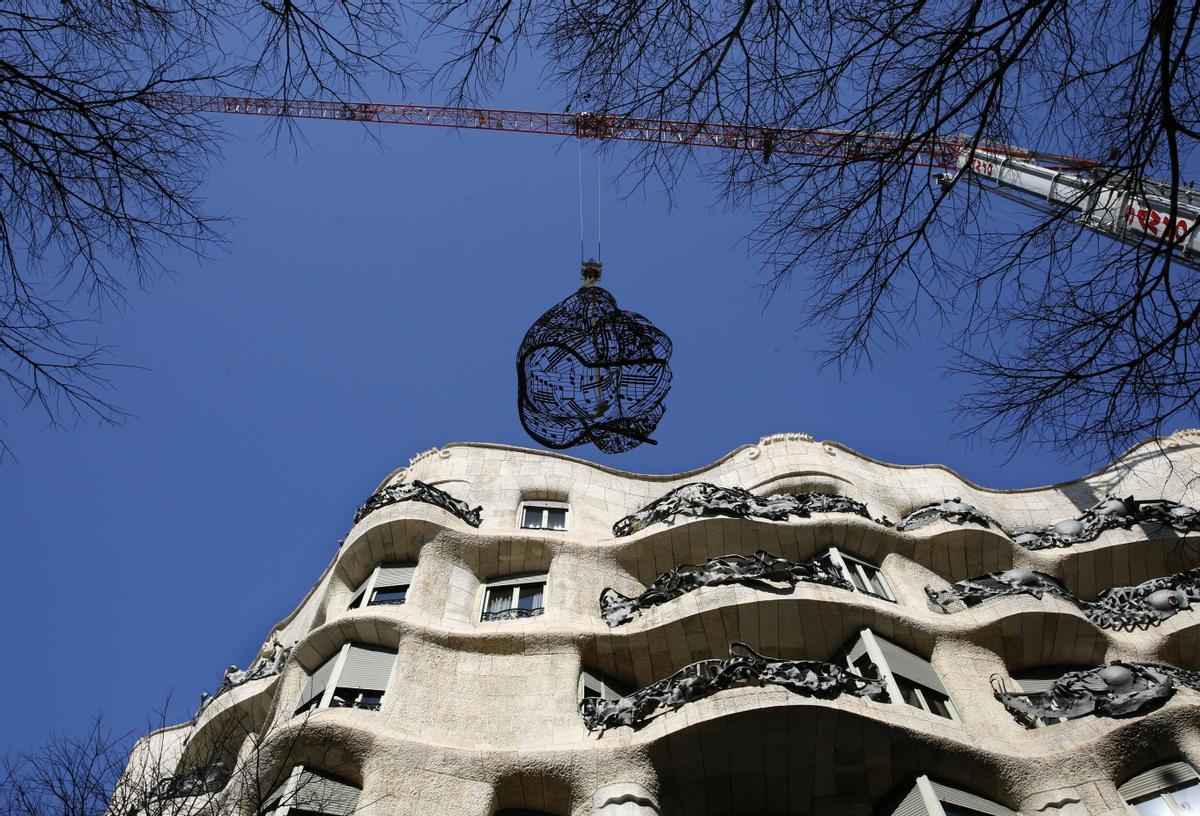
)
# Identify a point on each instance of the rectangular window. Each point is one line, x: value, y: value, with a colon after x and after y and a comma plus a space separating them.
x: 387, y: 584
x: 355, y: 677
x: 389, y: 595
x: 514, y: 598
x: 594, y: 683
x: 909, y: 678
x: 863, y: 575
x: 544, y: 516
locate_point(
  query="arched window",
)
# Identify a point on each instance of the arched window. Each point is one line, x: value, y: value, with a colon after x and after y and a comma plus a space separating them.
x: 1165, y: 790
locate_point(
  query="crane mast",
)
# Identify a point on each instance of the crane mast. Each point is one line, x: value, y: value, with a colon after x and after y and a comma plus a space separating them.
x: 1060, y: 184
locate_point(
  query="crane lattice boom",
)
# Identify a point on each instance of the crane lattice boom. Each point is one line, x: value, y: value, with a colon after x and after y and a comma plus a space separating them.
x: 1134, y: 216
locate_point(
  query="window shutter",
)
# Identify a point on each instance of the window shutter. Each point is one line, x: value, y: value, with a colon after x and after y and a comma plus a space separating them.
x: 395, y: 575
x: 954, y: 796
x: 857, y: 650
x: 912, y: 805
x: 1156, y: 779
x: 324, y: 794
x: 367, y: 667
x: 904, y: 663
x: 317, y: 682
x: 273, y: 802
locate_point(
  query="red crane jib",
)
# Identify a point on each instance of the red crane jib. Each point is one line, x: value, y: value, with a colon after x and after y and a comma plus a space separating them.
x: 830, y: 144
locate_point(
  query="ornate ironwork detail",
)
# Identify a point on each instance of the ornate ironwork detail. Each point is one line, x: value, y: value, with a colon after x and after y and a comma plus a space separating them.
x: 514, y: 613
x: 198, y: 782
x: 955, y: 511
x: 419, y: 491
x: 1108, y: 514
x: 266, y: 666
x: 1119, y: 689
x: 1145, y: 605
x: 762, y: 569
x: 974, y: 591
x: 588, y: 371
x: 704, y: 499
x: 743, y: 667
x: 1122, y: 608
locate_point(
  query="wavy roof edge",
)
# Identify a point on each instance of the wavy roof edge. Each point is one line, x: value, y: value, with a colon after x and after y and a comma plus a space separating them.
x: 794, y: 437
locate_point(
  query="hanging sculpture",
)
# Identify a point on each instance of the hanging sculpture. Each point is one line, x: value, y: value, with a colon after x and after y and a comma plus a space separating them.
x: 1119, y: 689
x: 588, y: 371
x: 704, y: 499
x: 762, y: 568
x: 1122, y: 608
x: 744, y: 667
x: 419, y: 491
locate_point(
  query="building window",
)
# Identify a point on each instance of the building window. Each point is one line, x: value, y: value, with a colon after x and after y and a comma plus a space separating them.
x: 593, y: 683
x: 387, y: 584
x: 307, y: 792
x: 514, y: 597
x: 1166, y: 790
x: 930, y: 798
x: 356, y: 677
x: 865, y: 576
x: 543, y: 515
x: 908, y: 677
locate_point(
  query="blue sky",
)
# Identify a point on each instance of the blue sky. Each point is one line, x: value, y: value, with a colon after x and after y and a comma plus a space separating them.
x: 369, y: 307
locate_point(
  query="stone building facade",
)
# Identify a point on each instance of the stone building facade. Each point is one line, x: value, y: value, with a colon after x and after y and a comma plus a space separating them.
x: 795, y: 628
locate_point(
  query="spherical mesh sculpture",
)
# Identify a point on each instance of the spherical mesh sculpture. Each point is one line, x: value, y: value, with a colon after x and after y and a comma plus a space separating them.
x: 590, y: 372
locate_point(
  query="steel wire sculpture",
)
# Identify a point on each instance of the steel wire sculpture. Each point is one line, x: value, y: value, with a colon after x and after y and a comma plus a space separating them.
x: 1121, y: 608
x: 419, y: 491
x: 743, y: 667
x: 588, y: 371
x: 704, y: 499
x: 1119, y: 689
x: 758, y: 569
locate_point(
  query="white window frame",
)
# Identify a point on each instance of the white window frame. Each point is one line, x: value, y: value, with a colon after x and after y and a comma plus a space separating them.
x: 875, y: 653
x: 544, y: 505
x: 367, y: 589
x: 515, y: 583
x: 336, y: 675
x: 846, y: 562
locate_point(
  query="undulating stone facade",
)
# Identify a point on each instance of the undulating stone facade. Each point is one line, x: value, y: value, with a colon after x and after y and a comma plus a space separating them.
x: 795, y: 628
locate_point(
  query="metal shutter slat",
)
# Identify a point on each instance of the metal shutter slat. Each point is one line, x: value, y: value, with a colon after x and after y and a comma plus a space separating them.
x: 1155, y: 779
x: 367, y: 667
x: 317, y: 682
x: 912, y: 805
x: 910, y: 666
x: 395, y: 575
x: 324, y: 794
x: 954, y: 796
